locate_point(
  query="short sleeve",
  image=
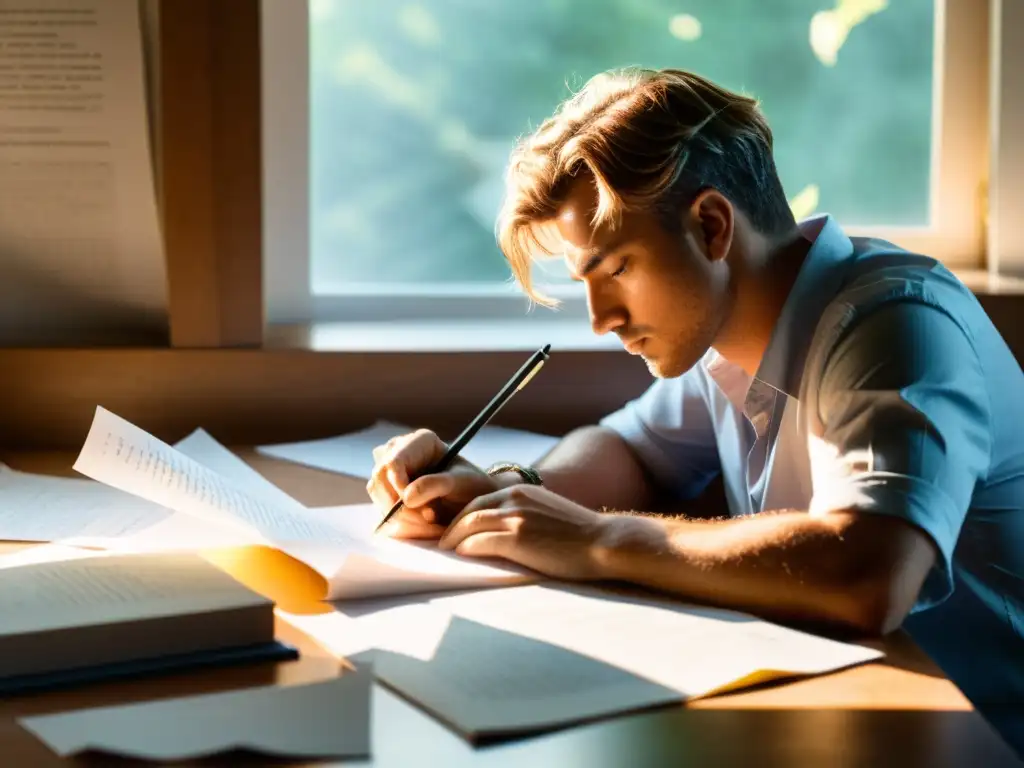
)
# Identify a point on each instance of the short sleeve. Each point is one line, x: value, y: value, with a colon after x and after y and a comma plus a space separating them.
x: 903, y: 427
x: 670, y: 430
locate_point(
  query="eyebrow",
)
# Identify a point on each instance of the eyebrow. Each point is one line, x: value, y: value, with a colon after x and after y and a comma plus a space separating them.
x: 595, y: 257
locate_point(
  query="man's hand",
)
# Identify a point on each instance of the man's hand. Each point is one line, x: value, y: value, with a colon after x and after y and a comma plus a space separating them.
x: 430, y: 501
x: 533, y: 527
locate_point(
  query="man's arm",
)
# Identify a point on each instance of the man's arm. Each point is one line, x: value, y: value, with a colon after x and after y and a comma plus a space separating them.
x: 595, y: 467
x: 654, y: 452
x: 898, y: 439
x: 901, y: 437
x: 860, y: 572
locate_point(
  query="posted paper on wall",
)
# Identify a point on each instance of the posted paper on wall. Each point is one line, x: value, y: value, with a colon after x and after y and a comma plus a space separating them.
x: 80, y: 245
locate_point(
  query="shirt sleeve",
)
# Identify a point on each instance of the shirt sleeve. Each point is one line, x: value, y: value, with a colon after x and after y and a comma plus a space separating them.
x: 903, y: 427
x: 670, y: 430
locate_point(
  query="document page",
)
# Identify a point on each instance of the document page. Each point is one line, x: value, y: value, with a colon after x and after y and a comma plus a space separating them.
x: 352, y: 454
x: 721, y: 647
x: 322, y: 719
x: 45, y: 508
x: 80, y: 245
x: 121, y: 455
x: 78, y: 512
x: 353, y: 562
x: 565, y: 654
x: 202, y: 447
x: 371, y: 565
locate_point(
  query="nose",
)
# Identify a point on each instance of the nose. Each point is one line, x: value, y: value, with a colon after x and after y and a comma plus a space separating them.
x: 606, y: 312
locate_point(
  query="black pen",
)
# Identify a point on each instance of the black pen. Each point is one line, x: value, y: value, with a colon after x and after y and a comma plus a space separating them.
x: 516, y: 383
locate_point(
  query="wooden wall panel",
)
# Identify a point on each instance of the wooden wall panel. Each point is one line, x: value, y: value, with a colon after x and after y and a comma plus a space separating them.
x: 211, y: 163
x: 47, y: 397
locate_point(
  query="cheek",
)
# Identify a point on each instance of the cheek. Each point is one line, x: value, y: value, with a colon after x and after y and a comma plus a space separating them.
x: 674, y: 295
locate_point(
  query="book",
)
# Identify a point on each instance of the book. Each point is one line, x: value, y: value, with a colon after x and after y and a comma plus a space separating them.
x: 94, y: 618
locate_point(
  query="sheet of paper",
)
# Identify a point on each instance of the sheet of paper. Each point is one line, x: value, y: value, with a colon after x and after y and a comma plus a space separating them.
x: 324, y: 719
x: 79, y: 512
x: 202, y: 447
x: 48, y: 553
x: 354, y: 562
x: 352, y: 454
x: 121, y: 455
x: 80, y: 245
x: 562, y: 655
x: 405, y: 624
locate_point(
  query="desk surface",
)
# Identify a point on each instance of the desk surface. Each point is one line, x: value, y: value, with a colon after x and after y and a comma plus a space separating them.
x: 898, y: 711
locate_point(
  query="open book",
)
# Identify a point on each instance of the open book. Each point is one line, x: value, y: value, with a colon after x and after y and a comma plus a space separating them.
x: 335, y: 548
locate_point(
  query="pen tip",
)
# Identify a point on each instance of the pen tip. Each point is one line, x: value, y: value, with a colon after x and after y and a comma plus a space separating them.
x: 547, y: 349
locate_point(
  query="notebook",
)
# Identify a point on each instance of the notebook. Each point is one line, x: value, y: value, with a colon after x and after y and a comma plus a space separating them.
x: 96, y: 618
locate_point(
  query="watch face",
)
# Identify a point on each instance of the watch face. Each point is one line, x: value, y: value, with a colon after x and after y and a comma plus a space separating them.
x: 528, y: 475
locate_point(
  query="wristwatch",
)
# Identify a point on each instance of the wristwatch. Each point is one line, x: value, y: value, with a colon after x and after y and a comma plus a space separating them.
x: 528, y: 475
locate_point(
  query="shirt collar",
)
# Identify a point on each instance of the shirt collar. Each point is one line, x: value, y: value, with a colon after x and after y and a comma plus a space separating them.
x: 817, y: 283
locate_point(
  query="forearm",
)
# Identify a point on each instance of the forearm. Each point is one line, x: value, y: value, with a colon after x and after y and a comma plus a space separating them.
x: 594, y: 467
x: 786, y: 566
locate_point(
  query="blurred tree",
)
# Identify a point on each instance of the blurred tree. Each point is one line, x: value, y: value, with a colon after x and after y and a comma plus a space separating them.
x: 415, y: 106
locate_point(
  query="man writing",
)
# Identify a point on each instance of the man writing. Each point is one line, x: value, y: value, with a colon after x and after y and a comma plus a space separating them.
x: 863, y: 413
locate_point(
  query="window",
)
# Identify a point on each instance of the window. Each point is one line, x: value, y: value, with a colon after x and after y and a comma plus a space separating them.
x: 388, y: 126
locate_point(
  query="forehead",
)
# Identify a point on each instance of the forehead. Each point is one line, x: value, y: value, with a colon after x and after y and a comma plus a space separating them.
x: 573, y: 218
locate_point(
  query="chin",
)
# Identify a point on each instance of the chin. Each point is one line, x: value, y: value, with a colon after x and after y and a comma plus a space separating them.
x: 659, y: 370
x: 671, y: 366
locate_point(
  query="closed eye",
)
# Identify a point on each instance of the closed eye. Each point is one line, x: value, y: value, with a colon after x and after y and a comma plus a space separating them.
x: 622, y: 268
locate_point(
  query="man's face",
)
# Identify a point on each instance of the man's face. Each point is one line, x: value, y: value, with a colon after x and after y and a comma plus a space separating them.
x: 665, y: 294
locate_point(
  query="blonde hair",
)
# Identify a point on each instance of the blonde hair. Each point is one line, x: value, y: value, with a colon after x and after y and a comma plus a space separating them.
x: 646, y: 138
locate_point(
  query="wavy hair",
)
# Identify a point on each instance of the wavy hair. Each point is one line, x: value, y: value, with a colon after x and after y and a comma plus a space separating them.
x: 649, y: 139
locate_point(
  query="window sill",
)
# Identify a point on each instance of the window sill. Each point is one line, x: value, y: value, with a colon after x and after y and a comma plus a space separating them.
x: 984, y: 283
x: 441, y: 336
x: 572, y: 334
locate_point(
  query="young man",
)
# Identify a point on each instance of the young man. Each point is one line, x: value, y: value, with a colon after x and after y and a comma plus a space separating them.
x: 865, y: 416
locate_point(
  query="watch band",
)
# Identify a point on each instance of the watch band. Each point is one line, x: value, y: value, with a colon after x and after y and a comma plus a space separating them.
x: 529, y: 475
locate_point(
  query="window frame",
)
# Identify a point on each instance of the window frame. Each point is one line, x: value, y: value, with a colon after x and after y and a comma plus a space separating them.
x: 956, y: 234
x: 1006, y: 190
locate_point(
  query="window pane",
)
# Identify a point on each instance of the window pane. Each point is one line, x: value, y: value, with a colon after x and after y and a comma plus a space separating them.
x: 415, y: 106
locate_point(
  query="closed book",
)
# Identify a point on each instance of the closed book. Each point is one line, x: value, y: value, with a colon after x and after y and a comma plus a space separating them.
x: 111, y: 616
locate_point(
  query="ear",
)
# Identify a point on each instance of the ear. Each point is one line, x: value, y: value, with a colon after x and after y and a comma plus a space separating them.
x: 712, y: 220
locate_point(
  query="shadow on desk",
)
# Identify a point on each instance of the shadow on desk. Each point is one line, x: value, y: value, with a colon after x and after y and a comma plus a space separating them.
x: 674, y: 737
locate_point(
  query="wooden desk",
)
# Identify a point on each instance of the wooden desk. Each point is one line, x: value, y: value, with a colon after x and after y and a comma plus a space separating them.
x: 900, y: 711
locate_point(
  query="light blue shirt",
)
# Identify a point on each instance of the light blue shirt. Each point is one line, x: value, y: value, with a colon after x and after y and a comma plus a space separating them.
x: 884, y: 388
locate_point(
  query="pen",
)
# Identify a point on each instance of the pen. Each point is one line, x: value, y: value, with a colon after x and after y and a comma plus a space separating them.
x: 516, y: 383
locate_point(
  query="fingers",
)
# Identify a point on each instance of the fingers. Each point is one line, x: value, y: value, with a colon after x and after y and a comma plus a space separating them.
x: 490, y: 544
x: 397, y: 461
x: 476, y: 522
x: 494, y: 500
x: 412, y: 524
x: 425, y: 489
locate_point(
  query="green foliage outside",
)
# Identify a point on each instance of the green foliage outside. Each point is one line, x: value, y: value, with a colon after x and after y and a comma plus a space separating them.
x: 416, y: 104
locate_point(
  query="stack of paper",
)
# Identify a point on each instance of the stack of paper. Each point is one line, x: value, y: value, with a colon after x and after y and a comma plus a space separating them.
x: 352, y: 454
